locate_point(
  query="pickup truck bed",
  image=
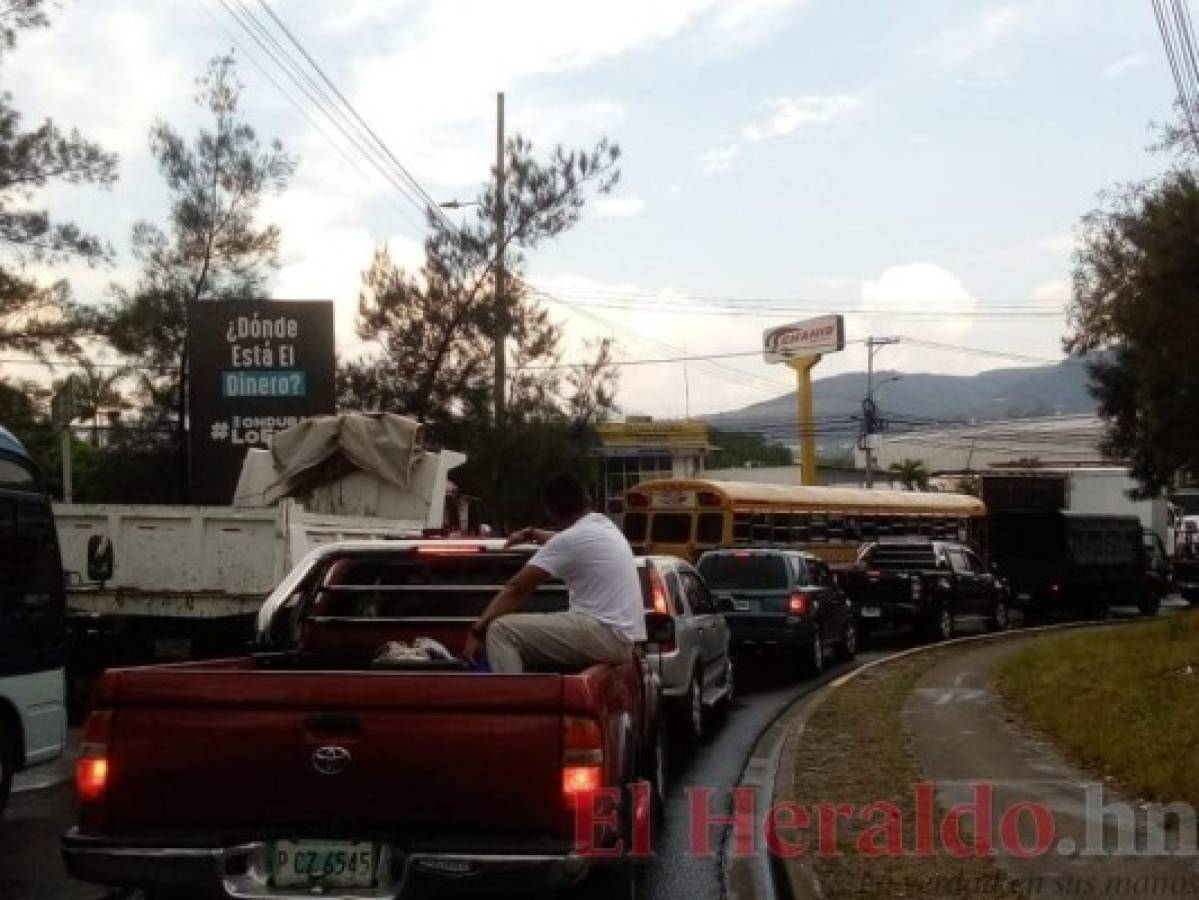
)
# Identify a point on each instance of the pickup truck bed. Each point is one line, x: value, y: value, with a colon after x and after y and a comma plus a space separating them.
x: 228, y: 766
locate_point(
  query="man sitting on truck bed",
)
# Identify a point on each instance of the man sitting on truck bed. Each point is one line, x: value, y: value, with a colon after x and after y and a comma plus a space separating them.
x: 593, y: 559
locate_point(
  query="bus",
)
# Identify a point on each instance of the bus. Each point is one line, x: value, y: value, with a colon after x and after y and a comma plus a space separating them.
x: 33, y: 715
x: 688, y: 517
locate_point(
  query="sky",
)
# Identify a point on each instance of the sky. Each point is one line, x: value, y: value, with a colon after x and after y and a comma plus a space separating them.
x: 919, y: 166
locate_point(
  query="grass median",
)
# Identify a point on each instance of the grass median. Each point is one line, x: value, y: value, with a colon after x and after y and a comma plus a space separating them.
x: 1123, y: 702
x: 855, y: 750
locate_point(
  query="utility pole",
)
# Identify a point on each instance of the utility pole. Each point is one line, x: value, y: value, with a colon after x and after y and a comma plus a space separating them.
x: 871, y: 423
x: 501, y: 312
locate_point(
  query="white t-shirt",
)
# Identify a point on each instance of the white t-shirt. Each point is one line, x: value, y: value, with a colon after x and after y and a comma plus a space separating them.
x: 596, y: 564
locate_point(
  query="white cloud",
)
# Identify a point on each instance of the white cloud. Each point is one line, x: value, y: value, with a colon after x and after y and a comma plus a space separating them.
x: 1124, y: 65
x: 967, y: 42
x: 718, y: 159
x: 790, y: 113
x: 1056, y: 290
x: 618, y: 207
x: 1063, y: 244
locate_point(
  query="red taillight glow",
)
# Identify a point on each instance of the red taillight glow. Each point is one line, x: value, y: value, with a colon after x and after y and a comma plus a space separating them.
x: 707, y: 498
x: 577, y: 780
x: 91, y: 778
x: 92, y: 768
x: 636, y: 501
x: 448, y: 550
x: 582, y: 757
x: 798, y: 605
x: 741, y: 554
x: 657, y: 592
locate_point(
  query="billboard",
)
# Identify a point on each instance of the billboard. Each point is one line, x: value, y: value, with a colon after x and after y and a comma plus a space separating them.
x: 256, y: 367
x: 823, y: 334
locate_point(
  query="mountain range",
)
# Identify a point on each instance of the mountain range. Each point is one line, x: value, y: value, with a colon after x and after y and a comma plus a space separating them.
x: 917, y: 400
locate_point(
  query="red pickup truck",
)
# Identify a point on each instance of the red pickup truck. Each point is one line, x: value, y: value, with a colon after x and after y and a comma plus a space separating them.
x: 308, y: 767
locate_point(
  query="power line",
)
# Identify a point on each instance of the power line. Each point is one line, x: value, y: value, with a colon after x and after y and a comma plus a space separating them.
x: 382, y: 145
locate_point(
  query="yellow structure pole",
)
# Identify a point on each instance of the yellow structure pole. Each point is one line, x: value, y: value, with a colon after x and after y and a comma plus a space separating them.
x: 803, y: 366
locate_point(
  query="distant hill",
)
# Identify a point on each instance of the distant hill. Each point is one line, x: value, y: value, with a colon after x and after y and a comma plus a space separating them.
x: 919, y: 400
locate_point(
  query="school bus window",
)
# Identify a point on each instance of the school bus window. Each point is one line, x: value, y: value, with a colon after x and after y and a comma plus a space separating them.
x: 743, y: 524
x: 781, y: 529
x: 634, y: 527
x: 671, y: 528
x: 762, y: 528
x: 710, y: 528
x: 836, y: 529
x: 818, y: 530
x: 801, y: 528
x: 868, y: 528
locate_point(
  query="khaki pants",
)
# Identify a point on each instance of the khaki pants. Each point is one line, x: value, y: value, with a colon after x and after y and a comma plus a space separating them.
x: 567, y: 640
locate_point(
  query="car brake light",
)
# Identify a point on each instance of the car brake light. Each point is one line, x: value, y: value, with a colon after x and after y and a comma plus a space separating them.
x: 582, y: 758
x: 92, y: 766
x: 741, y: 554
x: 798, y: 604
x: 657, y: 592
x: 448, y: 550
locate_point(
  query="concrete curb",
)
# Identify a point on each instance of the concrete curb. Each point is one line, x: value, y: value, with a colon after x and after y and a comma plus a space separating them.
x: 771, y: 765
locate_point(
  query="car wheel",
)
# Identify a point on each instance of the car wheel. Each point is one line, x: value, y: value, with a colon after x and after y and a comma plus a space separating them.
x: 1000, y: 617
x: 848, y: 647
x: 812, y: 656
x: 8, y: 765
x: 730, y: 685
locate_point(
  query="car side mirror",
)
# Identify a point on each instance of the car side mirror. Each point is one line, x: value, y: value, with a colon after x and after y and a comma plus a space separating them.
x: 659, y: 628
x: 101, y: 558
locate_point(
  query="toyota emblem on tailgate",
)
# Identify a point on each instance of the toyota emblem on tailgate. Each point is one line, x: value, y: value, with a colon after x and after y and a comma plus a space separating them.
x: 331, y: 760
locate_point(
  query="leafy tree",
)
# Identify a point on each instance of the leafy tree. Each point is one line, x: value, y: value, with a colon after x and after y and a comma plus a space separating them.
x: 746, y: 448
x: 213, y: 248
x: 96, y: 389
x: 911, y: 473
x: 435, y: 325
x: 1134, y: 299
x: 33, y: 316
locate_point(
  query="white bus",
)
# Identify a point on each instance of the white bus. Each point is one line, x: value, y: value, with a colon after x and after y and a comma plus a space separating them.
x: 33, y: 716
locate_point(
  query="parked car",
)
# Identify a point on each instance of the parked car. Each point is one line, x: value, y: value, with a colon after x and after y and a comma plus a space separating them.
x: 321, y: 765
x: 928, y: 586
x: 696, y: 667
x: 781, y: 599
x: 1067, y: 564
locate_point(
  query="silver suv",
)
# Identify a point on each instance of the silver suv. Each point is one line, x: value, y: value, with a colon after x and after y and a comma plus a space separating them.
x: 696, y: 668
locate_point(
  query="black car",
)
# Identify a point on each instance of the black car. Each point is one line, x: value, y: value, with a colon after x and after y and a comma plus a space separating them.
x: 929, y: 586
x: 781, y: 599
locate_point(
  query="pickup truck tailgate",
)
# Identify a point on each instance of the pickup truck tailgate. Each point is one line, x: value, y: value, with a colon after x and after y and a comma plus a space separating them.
x: 206, y: 750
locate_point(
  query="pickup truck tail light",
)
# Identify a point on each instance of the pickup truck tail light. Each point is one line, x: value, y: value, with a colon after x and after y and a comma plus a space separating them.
x: 92, y: 767
x: 582, y: 758
x: 657, y: 593
x: 799, y: 604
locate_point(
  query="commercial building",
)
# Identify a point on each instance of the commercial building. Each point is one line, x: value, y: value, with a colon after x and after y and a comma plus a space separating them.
x: 640, y: 448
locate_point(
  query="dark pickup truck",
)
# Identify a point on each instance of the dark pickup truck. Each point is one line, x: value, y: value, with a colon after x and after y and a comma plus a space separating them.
x: 928, y: 586
x: 320, y: 766
x: 1069, y: 564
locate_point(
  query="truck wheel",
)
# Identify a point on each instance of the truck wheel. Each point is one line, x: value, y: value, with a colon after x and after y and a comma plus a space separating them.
x: 941, y: 626
x: 848, y: 648
x: 1000, y: 616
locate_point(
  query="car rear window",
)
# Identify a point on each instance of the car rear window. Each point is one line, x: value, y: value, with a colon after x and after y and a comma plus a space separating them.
x: 410, y: 585
x: 899, y: 557
x: 744, y: 571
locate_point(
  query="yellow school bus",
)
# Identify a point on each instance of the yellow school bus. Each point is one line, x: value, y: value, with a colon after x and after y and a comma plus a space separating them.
x: 688, y: 517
